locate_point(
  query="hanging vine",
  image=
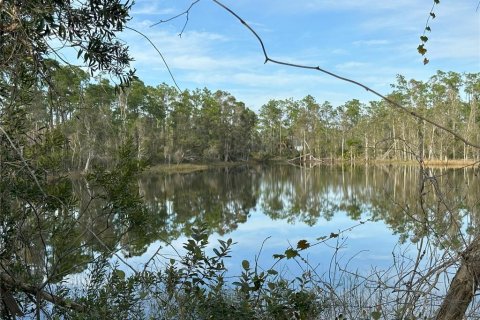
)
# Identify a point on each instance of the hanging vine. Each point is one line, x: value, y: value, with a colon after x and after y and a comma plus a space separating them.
x: 424, y: 38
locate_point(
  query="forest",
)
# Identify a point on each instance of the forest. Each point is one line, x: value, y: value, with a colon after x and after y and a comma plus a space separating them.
x: 84, y: 118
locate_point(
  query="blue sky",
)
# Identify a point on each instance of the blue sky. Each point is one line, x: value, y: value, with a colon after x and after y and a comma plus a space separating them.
x: 369, y: 41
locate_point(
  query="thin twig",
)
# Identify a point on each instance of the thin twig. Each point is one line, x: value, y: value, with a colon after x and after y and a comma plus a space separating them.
x: 186, y: 13
x: 159, y: 53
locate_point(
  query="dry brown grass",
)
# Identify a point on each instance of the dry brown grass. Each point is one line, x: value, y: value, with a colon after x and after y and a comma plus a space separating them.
x: 177, y: 168
x: 450, y: 163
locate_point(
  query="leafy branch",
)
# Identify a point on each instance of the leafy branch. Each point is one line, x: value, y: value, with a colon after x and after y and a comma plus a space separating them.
x: 304, y: 244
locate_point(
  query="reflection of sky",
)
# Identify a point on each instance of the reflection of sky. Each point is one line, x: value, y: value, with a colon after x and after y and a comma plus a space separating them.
x: 365, y: 246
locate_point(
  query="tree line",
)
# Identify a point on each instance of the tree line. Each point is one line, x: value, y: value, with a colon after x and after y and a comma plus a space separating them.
x: 88, y: 119
x: 375, y: 131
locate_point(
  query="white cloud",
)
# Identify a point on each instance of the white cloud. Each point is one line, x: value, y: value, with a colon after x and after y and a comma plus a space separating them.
x: 344, y: 5
x: 372, y: 42
x: 192, y: 44
x: 351, y: 65
x: 151, y: 9
x: 204, y: 63
x: 464, y: 47
x: 340, y: 51
x: 155, y: 7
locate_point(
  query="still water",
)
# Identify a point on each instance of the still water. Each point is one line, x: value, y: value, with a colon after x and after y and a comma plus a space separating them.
x: 282, y: 204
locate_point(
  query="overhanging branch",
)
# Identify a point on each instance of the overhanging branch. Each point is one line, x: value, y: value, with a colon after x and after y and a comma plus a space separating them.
x: 8, y: 281
x: 159, y: 53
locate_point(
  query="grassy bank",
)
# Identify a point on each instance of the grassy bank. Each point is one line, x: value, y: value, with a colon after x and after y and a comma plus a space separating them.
x: 434, y: 163
x: 191, y: 167
x: 450, y: 163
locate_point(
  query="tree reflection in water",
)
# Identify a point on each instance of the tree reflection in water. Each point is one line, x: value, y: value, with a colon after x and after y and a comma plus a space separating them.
x: 222, y: 199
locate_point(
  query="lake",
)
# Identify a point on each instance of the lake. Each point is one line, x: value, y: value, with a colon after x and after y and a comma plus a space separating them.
x: 375, y: 211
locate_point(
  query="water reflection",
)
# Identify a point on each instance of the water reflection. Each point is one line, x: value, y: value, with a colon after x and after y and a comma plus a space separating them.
x: 221, y: 199
x: 224, y: 199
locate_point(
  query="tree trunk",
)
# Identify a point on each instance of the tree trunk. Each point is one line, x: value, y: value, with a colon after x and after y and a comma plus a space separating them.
x: 366, y: 147
x: 280, y: 140
x: 432, y: 144
x: 464, y: 284
x: 394, y: 141
x: 87, y: 164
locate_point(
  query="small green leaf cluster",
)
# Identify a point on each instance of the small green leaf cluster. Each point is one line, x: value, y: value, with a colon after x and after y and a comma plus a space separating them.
x: 423, y: 38
x: 194, y: 283
x: 268, y: 295
x: 109, y: 294
x: 118, y: 189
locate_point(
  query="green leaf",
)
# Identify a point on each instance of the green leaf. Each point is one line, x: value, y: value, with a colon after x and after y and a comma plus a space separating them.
x: 271, y: 285
x: 120, y: 274
x: 333, y: 235
x: 436, y: 1
x: 376, y: 315
x: 432, y: 15
x: 428, y: 29
x: 273, y: 272
x: 424, y: 38
x: 245, y: 264
x: 303, y: 244
x: 291, y: 253
x: 425, y: 61
x: 421, y: 49
x: 278, y: 256
x: 196, y: 237
x: 61, y: 31
x: 41, y: 26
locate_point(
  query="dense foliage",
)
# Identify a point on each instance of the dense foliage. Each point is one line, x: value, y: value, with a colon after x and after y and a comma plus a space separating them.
x: 168, y: 126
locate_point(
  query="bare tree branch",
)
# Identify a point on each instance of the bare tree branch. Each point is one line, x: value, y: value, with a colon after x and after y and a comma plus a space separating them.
x: 317, y: 68
x: 57, y: 300
x: 161, y: 55
x: 186, y: 13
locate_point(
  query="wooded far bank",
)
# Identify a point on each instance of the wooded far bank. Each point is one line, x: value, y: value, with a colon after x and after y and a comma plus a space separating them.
x: 83, y: 121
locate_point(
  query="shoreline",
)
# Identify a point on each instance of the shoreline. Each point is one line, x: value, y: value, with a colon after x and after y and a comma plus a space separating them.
x: 192, y: 167
x: 200, y: 166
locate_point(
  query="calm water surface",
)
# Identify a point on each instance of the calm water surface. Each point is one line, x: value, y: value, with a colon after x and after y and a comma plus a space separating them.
x: 282, y: 204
